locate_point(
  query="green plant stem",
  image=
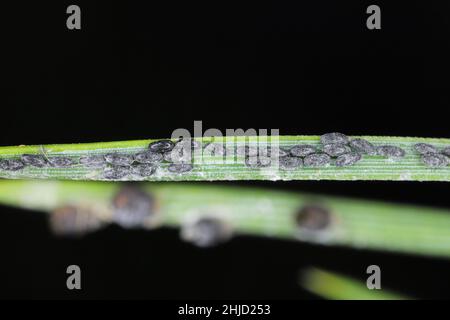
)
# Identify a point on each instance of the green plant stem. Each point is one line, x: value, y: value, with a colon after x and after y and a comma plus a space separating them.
x: 260, y: 212
x: 409, y: 168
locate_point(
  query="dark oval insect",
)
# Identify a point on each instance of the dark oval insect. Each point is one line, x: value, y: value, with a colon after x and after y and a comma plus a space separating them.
x: 446, y: 151
x: 60, y: 162
x: 115, y: 172
x: 215, y: 149
x: 290, y: 163
x: 92, y: 160
x: 119, y: 159
x: 313, y: 217
x: 245, y: 150
x: 35, y: 160
x: 4, y: 164
x: 180, y: 167
x: 424, y: 148
x: 143, y: 170
x: 335, y: 149
x: 302, y: 150
x: 348, y: 159
x: 334, y: 137
x: 161, y: 146
x: 392, y: 152
x: 205, y: 232
x: 256, y: 162
x: 435, y: 160
x: 317, y: 160
x: 363, y: 146
x: 148, y: 157
x: 133, y: 207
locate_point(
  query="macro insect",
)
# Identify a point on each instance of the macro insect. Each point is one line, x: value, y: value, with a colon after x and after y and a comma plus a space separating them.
x: 119, y: 159
x: 143, y: 170
x: 290, y: 163
x: 161, y: 146
x: 424, y: 148
x: 256, y: 162
x: 114, y: 172
x: 317, y: 160
x: 335, y: 149
x: 73, y: 221
x: 60, y: 162
x: 34, y: 160
x: 92, y: 160
x: 148, y: 157
x: 392, y: 152
x: 180, y: 167
x: 435, y: 160
x: 446, y: 151
x: 205, y: 231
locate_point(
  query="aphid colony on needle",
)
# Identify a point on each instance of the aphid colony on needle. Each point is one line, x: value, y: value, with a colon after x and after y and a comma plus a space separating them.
x: 334, y: 149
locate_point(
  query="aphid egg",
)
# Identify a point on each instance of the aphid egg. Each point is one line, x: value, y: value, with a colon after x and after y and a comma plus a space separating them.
x: 334, y: 137
x: 335, y: 149
x: 256, y: 162
x: 143, y: 170
x: 363, y: 146
x: 302, y: 150
x: 148, y: 157
x: 348, y: 159
x: 115, y: 172
x: 424, y: 148
x: 34, y: 160
x: 317, y: 160
x: 435, y: 160
x: 392, y: 152
x: 161, y: 146
x: 119, y: 159
x: 132, y: 207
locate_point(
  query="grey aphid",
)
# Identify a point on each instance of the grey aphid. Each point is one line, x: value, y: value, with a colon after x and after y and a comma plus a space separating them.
x: 35, y: 160
x: 132, y: 207
x: 435, y: 160
x: 60, y: 162
x: 92, y: 160
x: 148, y: 157
x: 334, y: 137
x: 4, y: 164
x: 392, y: 152
x: 256, y: 162
x: 348, y: 159
x: 115, y: 172
x: 143, y: 170
x: 282, y: 152
x: 245, y: 150
x: 335, y: 149
x: 15, y: 165
x: 180, y: 167
x: 205, y: 232
x: 446, y: 151
x: 313, y: 218
x: 363, y: 146
x: 161, y: 146
x: 193, y: 144
x: 302, y: 150
x: 317, y: 160
x: 424, y: 148
x: 119, y: 159
x: 215, y: 149
x: 290, y: 163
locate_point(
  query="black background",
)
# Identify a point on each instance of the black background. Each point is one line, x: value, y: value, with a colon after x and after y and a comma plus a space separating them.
x: 142, y: 69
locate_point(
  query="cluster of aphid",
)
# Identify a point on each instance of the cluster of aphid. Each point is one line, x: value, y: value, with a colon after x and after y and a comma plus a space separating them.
x: 431, y: 156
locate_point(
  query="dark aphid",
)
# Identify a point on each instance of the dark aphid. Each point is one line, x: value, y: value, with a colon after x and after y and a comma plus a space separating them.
x: 348, y: 159
x: 119, y: 159
x: 215, y: 149
x: 143, y: 170
x: 335, y: 149
x: 161, y: 146
x: 206, y: 232
x: 282, y: 152
x: 180, y: 167
x: 317, y: 160
x: 71, y: 221
x: 424, y: 148
x: 167, y: 156
x: 35, y: 160
x: 4, y: 164
x: 115, y: 172
x: 60, y: 162
x: 313, y: 218
x: 246, y: 150
x: 181, y: 153
x: 435, y: 160
x: 334, y: 137
x: 290, y: 163
x: 446, y: 151
x: 148, y: 157
x: 256, y: 162
x: 15, y: 165
x: 92, y: 160
x: 391, y: 152
x: 302, y: 150
x: 133, y: 207
x: 363, y: 146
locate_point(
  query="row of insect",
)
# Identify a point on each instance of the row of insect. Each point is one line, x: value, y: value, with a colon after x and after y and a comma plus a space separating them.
x: 335, y: 148
x: 132, y: 207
